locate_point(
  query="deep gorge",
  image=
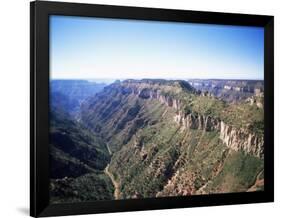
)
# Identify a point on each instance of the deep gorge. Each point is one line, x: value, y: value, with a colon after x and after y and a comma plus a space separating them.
x: 156, y: 140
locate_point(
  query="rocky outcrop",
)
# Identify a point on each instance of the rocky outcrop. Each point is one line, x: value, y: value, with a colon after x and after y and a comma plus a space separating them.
x: 170, y: 102
x: 256, y: 100
x: 241, y: 139
x: 197, y: 121
x: 156, y: 94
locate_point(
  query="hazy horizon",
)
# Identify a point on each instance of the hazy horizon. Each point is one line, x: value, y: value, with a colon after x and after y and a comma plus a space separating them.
x: 109, y: 81
x: 87, y: 48
x: 140, y: 78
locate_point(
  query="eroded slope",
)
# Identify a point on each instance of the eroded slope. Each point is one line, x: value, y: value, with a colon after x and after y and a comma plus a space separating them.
x: 167, y: 139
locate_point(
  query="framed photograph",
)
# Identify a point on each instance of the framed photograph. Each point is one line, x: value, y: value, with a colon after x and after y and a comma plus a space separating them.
x: 143, y: 108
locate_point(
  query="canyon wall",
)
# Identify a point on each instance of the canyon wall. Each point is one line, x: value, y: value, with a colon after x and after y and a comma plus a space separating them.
x: 241, y: 139
x: 234, y: 138
x: 238, y: 139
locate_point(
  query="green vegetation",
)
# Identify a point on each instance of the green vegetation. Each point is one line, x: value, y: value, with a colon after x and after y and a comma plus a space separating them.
x: 77, y: 159
x: 71, y: 138
x: 89, y: 187
x: 238, y: 174
x: 64, y: 165
x: 244, y: 115
x: 152, y: 155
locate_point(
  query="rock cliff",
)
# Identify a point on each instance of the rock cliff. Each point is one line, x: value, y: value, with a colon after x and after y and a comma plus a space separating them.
x: 241, y: 139
x: 197, y: 121
x: 238, y: 139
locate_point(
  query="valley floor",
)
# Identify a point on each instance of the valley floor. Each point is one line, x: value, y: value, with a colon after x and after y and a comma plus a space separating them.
x: 114, y: 182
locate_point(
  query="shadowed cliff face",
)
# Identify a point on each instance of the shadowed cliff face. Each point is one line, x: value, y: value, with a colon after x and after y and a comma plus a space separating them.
x: 69, y: 94
x: 169, y: 140
x: 77, y: 160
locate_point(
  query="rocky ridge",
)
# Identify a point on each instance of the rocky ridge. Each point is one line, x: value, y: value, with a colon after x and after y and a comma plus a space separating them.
x: 238, y: 139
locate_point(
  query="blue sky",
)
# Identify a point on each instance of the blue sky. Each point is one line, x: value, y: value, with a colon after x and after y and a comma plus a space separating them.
x: 97, y: 48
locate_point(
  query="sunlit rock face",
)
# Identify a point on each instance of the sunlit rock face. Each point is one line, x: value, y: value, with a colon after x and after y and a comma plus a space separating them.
x: 241, y: 139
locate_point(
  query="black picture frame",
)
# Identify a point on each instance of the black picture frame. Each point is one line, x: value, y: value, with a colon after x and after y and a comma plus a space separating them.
x: 39, y: 107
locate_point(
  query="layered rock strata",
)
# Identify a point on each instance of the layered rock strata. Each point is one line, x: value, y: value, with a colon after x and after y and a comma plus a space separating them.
x: 238, y: 139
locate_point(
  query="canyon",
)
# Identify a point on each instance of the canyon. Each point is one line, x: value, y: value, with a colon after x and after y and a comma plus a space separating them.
x: 157, y: 138
x: 234, y: 138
